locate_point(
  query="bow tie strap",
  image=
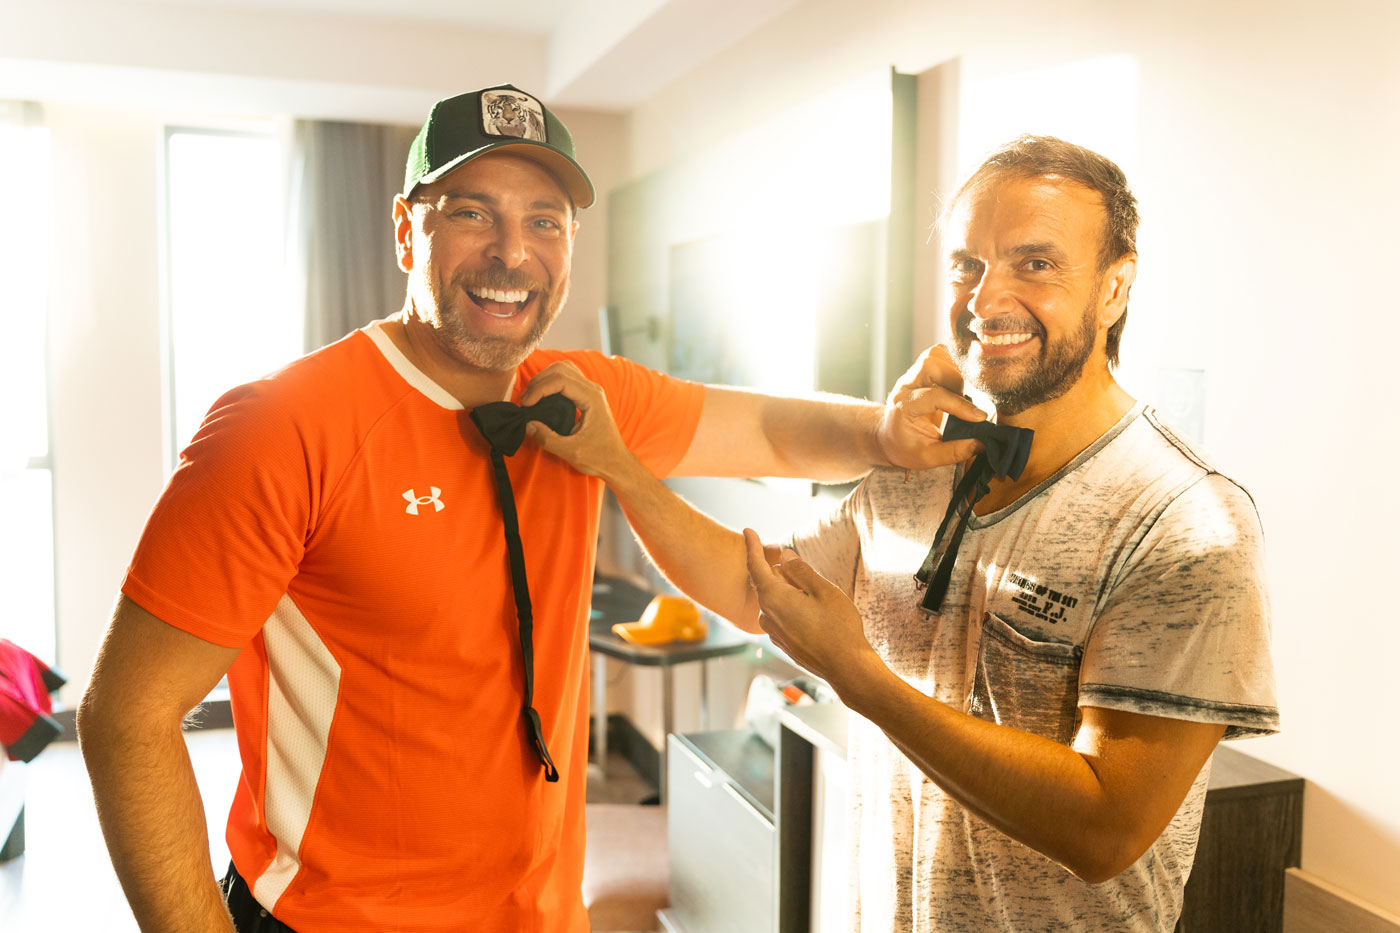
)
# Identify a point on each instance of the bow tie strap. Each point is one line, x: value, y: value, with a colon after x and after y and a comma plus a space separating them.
x: 503, y: 423
x: 1008, y: 447
x: 974, y: 484
x: 503, y: 426
x: 1007, y: 450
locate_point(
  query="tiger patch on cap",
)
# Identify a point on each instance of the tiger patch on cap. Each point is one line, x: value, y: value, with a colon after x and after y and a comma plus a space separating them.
x: 512, y: 113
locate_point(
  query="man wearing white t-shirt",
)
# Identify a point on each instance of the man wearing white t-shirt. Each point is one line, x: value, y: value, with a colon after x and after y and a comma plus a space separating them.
x: 1038, y: 707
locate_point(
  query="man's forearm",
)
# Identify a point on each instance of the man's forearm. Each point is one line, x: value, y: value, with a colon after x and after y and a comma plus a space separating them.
x: 1045, y: 795
x: 153, y: 819
x: 703, y: 558
x: 828, y: 438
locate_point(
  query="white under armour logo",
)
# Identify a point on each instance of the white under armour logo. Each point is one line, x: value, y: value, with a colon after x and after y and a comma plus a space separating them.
x: 415, y: 500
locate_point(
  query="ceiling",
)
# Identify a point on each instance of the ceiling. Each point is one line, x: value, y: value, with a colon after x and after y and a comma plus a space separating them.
x: 359, y: 59
x: 533, y: 17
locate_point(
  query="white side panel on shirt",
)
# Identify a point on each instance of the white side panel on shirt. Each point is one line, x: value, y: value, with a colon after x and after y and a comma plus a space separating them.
x: 303, y: 683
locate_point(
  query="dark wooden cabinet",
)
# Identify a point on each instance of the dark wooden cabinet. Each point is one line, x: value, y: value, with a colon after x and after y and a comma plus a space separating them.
x: 1251, y: 832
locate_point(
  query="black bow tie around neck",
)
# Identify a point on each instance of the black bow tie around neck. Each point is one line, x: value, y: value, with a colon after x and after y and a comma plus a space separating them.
x: 503, y: 425
x: 1007, y: 449
x: 1008, y: 446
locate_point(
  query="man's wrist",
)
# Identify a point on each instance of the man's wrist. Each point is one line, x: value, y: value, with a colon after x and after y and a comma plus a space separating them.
x: 857, y: 681
x: 880, y: 454
x: 626, y: 473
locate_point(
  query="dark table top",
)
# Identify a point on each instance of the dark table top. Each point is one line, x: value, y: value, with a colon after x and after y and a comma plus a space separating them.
x: 617, y: 600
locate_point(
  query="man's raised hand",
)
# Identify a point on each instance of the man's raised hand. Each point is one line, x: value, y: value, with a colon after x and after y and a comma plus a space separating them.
x: 806, y: 615
x: 595, y: 447
x: 911, y: 428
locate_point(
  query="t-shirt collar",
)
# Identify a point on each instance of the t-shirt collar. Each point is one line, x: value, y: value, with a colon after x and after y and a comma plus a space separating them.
x: 414, y: 376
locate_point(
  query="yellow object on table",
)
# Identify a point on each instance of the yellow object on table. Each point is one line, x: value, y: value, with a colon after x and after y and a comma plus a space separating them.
x: 666, y: 619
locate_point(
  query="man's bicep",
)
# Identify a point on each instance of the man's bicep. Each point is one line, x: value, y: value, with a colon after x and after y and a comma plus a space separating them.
x: 1145, y: 764
x: 147, y: 666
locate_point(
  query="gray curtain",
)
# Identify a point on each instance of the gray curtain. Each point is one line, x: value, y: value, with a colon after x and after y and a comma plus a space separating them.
x: 343, y: 180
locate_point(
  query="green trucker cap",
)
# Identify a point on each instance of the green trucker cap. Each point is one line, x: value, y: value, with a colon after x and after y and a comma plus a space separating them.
x: 461, y: 128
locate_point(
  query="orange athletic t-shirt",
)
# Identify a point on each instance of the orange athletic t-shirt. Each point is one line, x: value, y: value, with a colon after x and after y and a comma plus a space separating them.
x: 338, y: 521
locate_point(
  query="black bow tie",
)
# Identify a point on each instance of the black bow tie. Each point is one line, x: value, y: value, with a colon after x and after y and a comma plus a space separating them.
x: 503, y: 423
x: 1007, y: 449
x: 503, y: 426
x: 1008, y: 446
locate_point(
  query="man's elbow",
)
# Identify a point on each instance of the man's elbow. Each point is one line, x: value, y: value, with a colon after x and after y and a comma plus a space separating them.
x: 745, y: 617
x: 1103, y: 857
x: 89, y: 722
x: 111, y: 719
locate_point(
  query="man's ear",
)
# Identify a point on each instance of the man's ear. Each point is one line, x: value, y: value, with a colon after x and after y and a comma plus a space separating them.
x: 403, y: 233
x: 1118, y: 281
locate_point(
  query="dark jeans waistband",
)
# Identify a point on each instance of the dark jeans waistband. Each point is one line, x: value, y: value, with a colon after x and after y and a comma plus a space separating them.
x: 248, y: 915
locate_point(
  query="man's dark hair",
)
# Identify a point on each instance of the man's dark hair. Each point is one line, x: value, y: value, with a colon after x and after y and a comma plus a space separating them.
x: 1039, y: 156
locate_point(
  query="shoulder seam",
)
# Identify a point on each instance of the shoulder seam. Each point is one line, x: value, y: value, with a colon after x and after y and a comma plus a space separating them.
x: 1186, y: 451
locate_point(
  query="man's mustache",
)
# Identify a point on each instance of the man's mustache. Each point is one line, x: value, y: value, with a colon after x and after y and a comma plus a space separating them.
x: 968, y: 325
x: 500, y: 278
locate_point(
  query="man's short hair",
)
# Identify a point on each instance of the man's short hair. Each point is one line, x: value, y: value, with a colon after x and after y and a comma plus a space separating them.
x: 1039, y: 156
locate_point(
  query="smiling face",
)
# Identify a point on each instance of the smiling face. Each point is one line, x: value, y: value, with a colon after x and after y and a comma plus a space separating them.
x: 1028, y: 310
x: 487, y: 248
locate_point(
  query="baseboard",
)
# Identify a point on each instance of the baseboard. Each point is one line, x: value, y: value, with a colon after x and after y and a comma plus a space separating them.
x: 1311, y: 905
x: 14, y: 842
x: 626, y: 740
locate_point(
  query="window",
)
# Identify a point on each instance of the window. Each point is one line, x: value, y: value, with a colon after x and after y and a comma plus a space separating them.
x: 26, y: 468
x: 229, y: 318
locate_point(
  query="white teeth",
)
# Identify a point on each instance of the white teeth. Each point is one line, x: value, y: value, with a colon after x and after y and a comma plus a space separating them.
x: 496, y: 294
x: 1004, y: 340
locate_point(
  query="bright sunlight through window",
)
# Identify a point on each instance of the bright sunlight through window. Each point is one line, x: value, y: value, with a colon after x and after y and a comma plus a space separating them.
x: 230, y: 321
x: 26, y: 471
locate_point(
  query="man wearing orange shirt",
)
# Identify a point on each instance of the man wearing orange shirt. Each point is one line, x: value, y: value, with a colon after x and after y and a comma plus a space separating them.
x: 413, y: 753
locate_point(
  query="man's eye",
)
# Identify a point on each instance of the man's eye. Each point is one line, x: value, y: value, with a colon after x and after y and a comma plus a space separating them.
x: 546, y: 224
x: 966, y: 267
x: 1037, y: 265
x: 467, y: 213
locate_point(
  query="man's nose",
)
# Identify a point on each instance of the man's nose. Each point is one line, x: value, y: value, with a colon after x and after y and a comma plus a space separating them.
x: 992, y: 295
x: 508, y: 246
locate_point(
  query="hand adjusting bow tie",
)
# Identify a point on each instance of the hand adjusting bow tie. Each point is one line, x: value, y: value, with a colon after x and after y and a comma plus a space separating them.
x: 503, y: 425
x: 1007, y: 448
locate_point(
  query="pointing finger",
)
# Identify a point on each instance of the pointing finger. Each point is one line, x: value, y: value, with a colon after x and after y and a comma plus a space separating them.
x: 800, y: 574
x: 760, y: 571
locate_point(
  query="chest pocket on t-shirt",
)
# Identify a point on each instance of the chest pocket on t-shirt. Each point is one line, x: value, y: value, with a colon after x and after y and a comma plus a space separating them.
x: 1026, y: 684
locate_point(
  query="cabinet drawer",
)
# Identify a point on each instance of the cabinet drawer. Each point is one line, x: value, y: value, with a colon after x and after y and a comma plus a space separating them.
x: 721, y: 850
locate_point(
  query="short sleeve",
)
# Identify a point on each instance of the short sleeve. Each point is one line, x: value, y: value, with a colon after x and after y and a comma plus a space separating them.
x: 1185, y: 630
x: 831, y: 545
x: 226, y: 536
x: 656, y: 414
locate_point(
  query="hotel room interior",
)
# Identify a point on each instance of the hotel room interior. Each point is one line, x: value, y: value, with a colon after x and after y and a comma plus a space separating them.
x: 193, y: 192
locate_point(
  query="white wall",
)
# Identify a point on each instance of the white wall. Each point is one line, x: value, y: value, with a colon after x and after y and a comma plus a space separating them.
x: 106, y: 350
x: 600, y: 142
x: 105, y: 364
x: 1263, y: 150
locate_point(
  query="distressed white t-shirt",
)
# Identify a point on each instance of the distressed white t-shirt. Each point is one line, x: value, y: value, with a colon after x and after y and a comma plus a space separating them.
x: 1132, y: 579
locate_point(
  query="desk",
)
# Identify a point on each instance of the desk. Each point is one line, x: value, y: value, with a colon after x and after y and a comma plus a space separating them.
x: 616, y: 600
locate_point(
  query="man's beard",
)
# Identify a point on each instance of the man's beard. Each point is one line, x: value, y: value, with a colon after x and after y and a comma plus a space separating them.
x: 1054, y: 373
x: 496, y: 353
